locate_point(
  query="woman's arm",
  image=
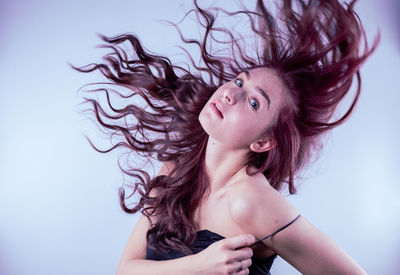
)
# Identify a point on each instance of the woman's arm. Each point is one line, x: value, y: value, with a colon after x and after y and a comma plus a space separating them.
x: 133, y: 258
x: 264, y: 210
x: 311, y: 252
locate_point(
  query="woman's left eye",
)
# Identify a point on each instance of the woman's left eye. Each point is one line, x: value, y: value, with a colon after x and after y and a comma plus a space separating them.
x: 239, y: 83
x: 254, y: 103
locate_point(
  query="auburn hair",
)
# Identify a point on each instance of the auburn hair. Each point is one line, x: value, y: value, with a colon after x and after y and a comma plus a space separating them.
x: 315, y: 47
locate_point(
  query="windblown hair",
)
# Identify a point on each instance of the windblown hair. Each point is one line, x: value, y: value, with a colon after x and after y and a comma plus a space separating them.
x: 313, y: 46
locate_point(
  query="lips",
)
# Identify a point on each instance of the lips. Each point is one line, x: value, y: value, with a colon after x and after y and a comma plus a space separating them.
x: 216, y: 107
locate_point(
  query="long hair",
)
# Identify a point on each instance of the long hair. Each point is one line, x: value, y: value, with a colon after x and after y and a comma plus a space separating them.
x: 313, y: 46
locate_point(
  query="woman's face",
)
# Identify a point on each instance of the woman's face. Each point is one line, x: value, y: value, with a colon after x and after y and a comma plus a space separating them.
x: 240, y: 111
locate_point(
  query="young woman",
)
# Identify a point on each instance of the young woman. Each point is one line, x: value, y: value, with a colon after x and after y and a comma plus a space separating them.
x: 232, y: 132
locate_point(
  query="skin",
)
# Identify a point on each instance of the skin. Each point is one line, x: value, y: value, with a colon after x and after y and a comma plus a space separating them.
x: 248, y: 207
x: 246, y: 116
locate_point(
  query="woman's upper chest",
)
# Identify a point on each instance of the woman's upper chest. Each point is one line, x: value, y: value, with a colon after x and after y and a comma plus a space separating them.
x: 214, y: 215
x: 214, y: 212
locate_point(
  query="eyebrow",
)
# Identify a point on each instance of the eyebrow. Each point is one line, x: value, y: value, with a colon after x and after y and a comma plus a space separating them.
x: 261, y: 91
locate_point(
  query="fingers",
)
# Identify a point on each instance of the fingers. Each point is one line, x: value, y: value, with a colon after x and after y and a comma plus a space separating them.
x: 233, y: 255
x: 245, y: 264
x: 239, y: 241
x: 243, y: 272
x: 241, y: 254
x: 241, y: 267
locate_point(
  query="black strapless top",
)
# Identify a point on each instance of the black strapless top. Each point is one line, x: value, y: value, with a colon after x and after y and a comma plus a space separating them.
x: 204, y: 239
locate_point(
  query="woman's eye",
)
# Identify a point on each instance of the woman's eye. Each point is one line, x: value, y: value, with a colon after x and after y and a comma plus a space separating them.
x: 254, y: 103
x: 239, y: 83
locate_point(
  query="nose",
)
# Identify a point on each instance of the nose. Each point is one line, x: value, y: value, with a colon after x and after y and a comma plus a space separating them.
x: 229, y: 96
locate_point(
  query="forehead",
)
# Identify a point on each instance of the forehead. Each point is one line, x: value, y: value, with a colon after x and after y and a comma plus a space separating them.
x: 266, y: 79
x: 265, y: 76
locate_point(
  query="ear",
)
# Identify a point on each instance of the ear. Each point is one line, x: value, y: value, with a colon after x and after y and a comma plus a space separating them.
x: 262, y: 145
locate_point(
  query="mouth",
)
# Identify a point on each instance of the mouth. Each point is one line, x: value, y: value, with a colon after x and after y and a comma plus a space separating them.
x: 217, y: 109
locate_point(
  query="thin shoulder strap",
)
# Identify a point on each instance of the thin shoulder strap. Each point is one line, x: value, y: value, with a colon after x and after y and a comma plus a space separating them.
x: 280, y: 229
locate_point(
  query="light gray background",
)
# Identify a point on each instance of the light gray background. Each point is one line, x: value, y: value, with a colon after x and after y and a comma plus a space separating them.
x: 59, y: 211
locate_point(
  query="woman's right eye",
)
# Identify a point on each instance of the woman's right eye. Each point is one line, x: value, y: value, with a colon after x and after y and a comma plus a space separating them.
x: 239, y: 83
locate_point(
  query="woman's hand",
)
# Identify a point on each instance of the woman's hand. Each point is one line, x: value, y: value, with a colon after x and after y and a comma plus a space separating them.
x: 228, y: 256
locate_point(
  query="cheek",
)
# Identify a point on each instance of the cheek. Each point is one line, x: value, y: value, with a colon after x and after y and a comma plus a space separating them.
x: 244, y: 130
x: 245, y: 119
x: 250, y: 128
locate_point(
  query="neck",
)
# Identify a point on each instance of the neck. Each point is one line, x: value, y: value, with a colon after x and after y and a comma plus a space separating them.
x: 222, y: 164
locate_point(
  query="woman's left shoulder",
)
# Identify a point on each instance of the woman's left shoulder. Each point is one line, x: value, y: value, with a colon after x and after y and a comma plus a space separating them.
x: 256, y: 207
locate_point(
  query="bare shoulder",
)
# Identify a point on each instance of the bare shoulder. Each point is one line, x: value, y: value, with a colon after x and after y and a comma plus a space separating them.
x: 166, y: 168
x: 258, y: 208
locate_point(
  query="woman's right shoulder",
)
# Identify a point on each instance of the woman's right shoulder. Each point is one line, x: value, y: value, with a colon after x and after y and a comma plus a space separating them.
x: 166, y: 168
